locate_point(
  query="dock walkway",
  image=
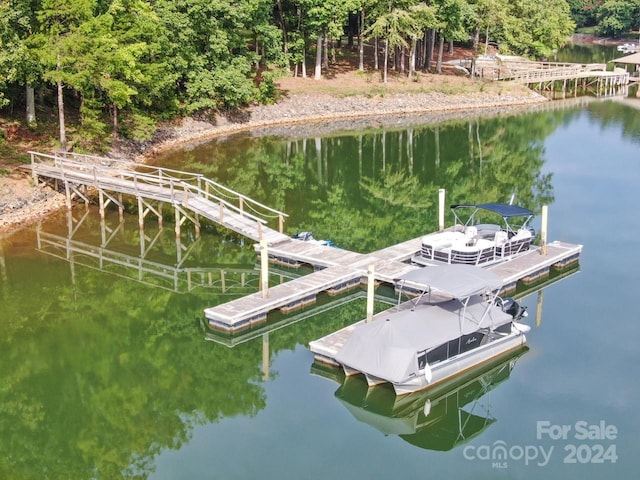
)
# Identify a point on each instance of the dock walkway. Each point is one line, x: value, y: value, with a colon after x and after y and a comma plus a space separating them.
x: 191, y: 195
x: 343, y: 269
x: 339, y: 270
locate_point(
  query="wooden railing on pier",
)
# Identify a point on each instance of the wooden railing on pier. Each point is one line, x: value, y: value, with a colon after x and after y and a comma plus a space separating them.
x: 543, y: 75
x: 533, y: 72
x: 186, y: 192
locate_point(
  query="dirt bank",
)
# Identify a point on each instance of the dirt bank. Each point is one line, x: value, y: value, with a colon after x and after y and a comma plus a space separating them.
x: 303, y: 102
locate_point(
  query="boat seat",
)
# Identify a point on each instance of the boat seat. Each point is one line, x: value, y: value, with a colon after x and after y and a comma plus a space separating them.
x: 441, y: 245
x: 521, y: 234
x: 443, y: 240
x: 487, y: 230
x: 500, y: 238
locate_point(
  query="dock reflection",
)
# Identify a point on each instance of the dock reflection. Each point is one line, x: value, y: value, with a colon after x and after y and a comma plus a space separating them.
x: 142, y: 256
x: 440, y: 418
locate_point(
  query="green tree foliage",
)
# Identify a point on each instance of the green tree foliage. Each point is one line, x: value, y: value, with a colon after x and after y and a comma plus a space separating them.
x: 618, y: 17
x: 614, y: 18
x: 486, y: 16
x: 536, y: 29
x: 583, y: 12
x: 209, y: 44
x: 120, y: 65
x: 17, y: 65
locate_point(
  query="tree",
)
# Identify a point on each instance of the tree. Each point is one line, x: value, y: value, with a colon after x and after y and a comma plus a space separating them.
x: 54, y: 43
x: 534, y: 28
x: 402, y: 20
x: 326, y: 18
x: 17, y: 65
x: 617, y: 17
x: 207, y: 41
x: 486, y: 16
x: 106, y: 56
x: 450, y: 15
x: 583, y: 12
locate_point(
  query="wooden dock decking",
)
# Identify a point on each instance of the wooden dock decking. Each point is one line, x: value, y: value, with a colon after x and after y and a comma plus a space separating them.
x: 339, y: 270
x: 343, y: 269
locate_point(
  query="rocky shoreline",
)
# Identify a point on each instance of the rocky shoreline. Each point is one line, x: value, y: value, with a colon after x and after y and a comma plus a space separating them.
x: 308, y: 114
x: 22, y: 203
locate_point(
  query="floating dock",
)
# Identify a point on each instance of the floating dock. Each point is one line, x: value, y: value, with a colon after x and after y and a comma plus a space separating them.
x: 532, y: 267
x: 340, y: 270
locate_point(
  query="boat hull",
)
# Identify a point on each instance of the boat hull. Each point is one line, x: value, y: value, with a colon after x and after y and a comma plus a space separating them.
x: 464, y: 362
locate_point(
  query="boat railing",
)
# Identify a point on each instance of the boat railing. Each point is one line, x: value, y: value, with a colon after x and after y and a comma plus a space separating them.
x: 471, y: 254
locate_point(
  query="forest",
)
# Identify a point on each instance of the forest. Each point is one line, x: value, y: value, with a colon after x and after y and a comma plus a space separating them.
x: 108, y: 70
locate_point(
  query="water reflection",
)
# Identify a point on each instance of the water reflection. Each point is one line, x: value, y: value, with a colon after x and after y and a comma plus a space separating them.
x: 161, y: 258
x: 436, y: 419
x: 587, y: 53
x: 369, y: 189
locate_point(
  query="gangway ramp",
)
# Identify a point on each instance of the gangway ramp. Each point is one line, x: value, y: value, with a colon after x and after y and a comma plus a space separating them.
x: 192, y: 195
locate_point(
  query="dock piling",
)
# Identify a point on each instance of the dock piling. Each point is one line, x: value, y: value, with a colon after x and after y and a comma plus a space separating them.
x: 543, y: 230
x: 539, y: 308
x: 264, y: 269
x: 371, y: 278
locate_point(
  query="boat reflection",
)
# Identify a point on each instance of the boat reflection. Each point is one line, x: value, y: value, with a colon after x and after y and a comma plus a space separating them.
x: 439, y: 419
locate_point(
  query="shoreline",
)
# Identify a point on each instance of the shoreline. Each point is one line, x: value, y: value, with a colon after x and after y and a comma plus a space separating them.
x: 22, y: 203
x: 312, y: 109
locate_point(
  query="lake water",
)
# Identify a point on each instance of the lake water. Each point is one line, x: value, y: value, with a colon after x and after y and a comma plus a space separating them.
x: 107, y: 369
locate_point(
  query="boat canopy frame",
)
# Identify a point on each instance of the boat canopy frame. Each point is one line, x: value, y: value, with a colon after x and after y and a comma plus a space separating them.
x: 507, y: 211
x: 459, y: 281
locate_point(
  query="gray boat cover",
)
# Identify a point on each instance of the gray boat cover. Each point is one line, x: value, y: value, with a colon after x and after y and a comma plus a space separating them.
x: 457, y: 280
x: 388, y: 347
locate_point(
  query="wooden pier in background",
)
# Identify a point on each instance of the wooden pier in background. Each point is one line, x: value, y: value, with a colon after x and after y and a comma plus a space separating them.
x: 547, y: 76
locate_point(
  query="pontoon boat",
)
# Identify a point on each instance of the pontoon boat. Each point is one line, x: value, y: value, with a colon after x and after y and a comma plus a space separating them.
x: 473, y: 243
x: 456, y: 322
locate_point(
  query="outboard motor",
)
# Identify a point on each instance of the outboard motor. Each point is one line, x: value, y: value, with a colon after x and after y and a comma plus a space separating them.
x: 304, y: 236
x: 308, y: 237
x: 513, y: 308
